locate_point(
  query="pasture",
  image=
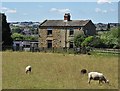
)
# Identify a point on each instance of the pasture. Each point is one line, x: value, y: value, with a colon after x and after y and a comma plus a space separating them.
x: 56, y: 71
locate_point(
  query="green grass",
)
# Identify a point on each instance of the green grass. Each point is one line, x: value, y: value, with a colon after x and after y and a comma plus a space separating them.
x: 56, y: 71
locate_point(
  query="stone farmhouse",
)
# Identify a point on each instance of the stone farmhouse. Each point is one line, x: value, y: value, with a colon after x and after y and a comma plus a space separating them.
x: 60, y: 33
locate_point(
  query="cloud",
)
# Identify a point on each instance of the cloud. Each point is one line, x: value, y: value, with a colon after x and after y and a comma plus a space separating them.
x: 112, y: 10
x: 60, y: 10
x: 104, y: 11
x: 3, y: 8
x: 40, y: 6
x: 25, y: 14
x: 103, y: 1
x: 7, y: 10
x: 11, y: 11
x: 98, y: 10
x: 53, y: 9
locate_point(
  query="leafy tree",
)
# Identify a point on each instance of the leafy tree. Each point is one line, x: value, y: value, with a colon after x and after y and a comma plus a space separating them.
x: 79, y: 39
x: 78, y: 43
x: 6, y: 32
x: 111, y: 38
x: 98, y: 43
x: 17, y: 36
x: 30, y: 38
x: 16, y: 29
x: 108, y: 27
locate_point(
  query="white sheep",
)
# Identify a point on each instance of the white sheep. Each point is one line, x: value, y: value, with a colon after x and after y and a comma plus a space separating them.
x: 28, y: 69
x: 97, y: 76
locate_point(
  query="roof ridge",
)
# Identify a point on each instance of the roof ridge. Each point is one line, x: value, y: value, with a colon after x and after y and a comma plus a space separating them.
x: 61, y: 23
x: 43, y: 22
x: 70, y: 20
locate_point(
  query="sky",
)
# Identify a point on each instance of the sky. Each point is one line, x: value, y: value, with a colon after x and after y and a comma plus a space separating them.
x: 99, y: 11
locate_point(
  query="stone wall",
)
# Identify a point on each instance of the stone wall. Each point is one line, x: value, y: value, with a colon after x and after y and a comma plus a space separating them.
x: 42, y: 38
x: 55, y: 37
x: 90, y: 29
x: 61, y: 34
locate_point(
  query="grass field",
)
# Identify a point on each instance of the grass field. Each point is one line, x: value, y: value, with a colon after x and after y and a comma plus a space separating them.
x: 56, y: 71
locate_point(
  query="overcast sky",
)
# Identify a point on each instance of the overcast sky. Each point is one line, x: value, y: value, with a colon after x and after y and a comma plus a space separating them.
x: 104, y: 11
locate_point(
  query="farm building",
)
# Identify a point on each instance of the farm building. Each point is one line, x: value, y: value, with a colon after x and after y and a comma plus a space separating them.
x: 25, y: 45
x: 60, y: 33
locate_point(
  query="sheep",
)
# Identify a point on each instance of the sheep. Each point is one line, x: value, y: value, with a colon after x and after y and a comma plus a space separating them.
x: 97, y: 76
x: 83, y: 71
x: 28, y: 69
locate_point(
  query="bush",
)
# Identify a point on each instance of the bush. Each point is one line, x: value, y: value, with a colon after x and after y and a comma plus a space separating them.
x: 88, y: 41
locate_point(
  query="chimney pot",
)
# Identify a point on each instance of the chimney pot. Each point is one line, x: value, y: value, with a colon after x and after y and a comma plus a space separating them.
x: 67, y: 16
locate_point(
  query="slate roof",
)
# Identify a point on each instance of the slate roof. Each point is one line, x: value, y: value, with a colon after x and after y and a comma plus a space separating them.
x: 63, y: 23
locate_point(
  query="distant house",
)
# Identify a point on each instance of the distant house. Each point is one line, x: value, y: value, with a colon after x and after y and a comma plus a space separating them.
x: 103, y: 27
x: 106, y: 27
x: 60, y: 33
x: 26, y: 31
x: 25, y: 45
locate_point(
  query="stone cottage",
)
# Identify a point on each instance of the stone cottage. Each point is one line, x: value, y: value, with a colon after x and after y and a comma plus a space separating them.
x: 60, y: 33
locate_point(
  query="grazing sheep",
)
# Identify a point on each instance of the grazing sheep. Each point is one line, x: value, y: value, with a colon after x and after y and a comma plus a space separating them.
x: 97, y: 76
x: 83, y: 71
x: 88, y: 53
x: 28, y: 69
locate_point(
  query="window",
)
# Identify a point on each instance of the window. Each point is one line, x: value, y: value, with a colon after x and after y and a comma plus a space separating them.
x: 71, y: 45
x: 71, y: 32
x: 86, y: 32
x: 81, y: 28
x: 49, y: 44
x: 49, y: 31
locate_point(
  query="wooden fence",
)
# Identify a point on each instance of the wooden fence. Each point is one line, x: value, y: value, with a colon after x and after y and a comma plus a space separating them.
x: 105, y: 50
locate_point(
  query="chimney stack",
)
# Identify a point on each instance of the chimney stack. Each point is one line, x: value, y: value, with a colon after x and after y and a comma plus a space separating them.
x: 67, y: 17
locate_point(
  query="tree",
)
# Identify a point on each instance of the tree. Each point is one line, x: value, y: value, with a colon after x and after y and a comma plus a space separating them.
x: 111, y: 38
x: 6, y: 33
x: 16, y: 29
x: 17, y: 36
x: 108, y: 27
x: 79, y: 39
x: 30, y: 38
